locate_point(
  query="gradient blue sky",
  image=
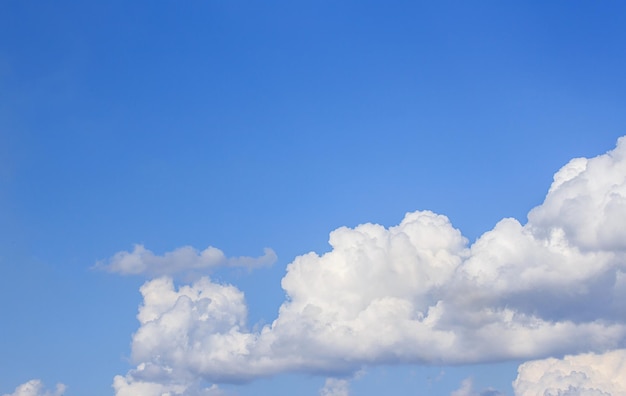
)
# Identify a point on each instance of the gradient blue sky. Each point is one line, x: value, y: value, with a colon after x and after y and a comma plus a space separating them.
x: 245, y: 125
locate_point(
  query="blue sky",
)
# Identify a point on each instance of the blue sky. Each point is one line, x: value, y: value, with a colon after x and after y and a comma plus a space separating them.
x: 245, y: 126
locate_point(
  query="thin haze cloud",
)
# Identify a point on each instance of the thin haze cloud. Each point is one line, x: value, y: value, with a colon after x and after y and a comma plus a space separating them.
x: 467, y: 389
x: 413, y: 293
x: 141, y: 261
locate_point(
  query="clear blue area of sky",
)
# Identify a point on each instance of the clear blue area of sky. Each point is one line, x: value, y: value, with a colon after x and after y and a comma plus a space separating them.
x: 245, y: 125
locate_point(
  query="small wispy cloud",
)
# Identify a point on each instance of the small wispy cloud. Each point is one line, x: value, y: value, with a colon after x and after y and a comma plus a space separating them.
x: 141, y: 261
x: 336, y: 387
x: 467, y: 389
x: 35, y: 387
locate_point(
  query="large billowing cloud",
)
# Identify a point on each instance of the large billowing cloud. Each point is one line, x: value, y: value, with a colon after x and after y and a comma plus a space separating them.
x: 581, y: 375
x: 414, y: 293
x: 36, y: 388
x: 142, y: 261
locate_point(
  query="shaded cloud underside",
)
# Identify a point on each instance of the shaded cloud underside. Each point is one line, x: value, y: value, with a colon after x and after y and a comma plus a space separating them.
x: 412, y: 293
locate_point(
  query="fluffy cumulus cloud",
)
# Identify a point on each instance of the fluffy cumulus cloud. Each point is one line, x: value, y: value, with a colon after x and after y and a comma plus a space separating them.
x: 36, y: 388
x: 416, y: 292
x: 581, y: 375
x: 142, y: 261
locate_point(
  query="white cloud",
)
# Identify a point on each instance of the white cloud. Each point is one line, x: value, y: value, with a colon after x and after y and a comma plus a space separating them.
x: 130, y: 385
x: 335, y: 387
x: 581, y: 375
x: 587, y: 202
x: 36, y: 388
x: 184, y: 259
x: 412, y: 293
x: 196, y: 328
x: 466, y: 389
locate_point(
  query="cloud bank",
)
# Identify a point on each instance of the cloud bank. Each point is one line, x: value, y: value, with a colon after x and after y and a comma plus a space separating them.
x: 142, y: 261
x: 36, y: 388
x: 416, y: 293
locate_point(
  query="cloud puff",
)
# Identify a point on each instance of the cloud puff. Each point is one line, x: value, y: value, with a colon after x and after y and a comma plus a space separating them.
x: 200, y: 327
x: 142, y: 261
x: 335, y: 387
x: 36, y: 388
x: 130, y: 386
x: 467, y: 389
x: 414, y: 293
x: 587, y: 202
x: 581, y: 375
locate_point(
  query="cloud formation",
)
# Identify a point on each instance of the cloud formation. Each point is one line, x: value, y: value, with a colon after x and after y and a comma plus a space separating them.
x: 36, y: 388
x: 581, y: 375
x: 142, y: 261
x: 413, y: 293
